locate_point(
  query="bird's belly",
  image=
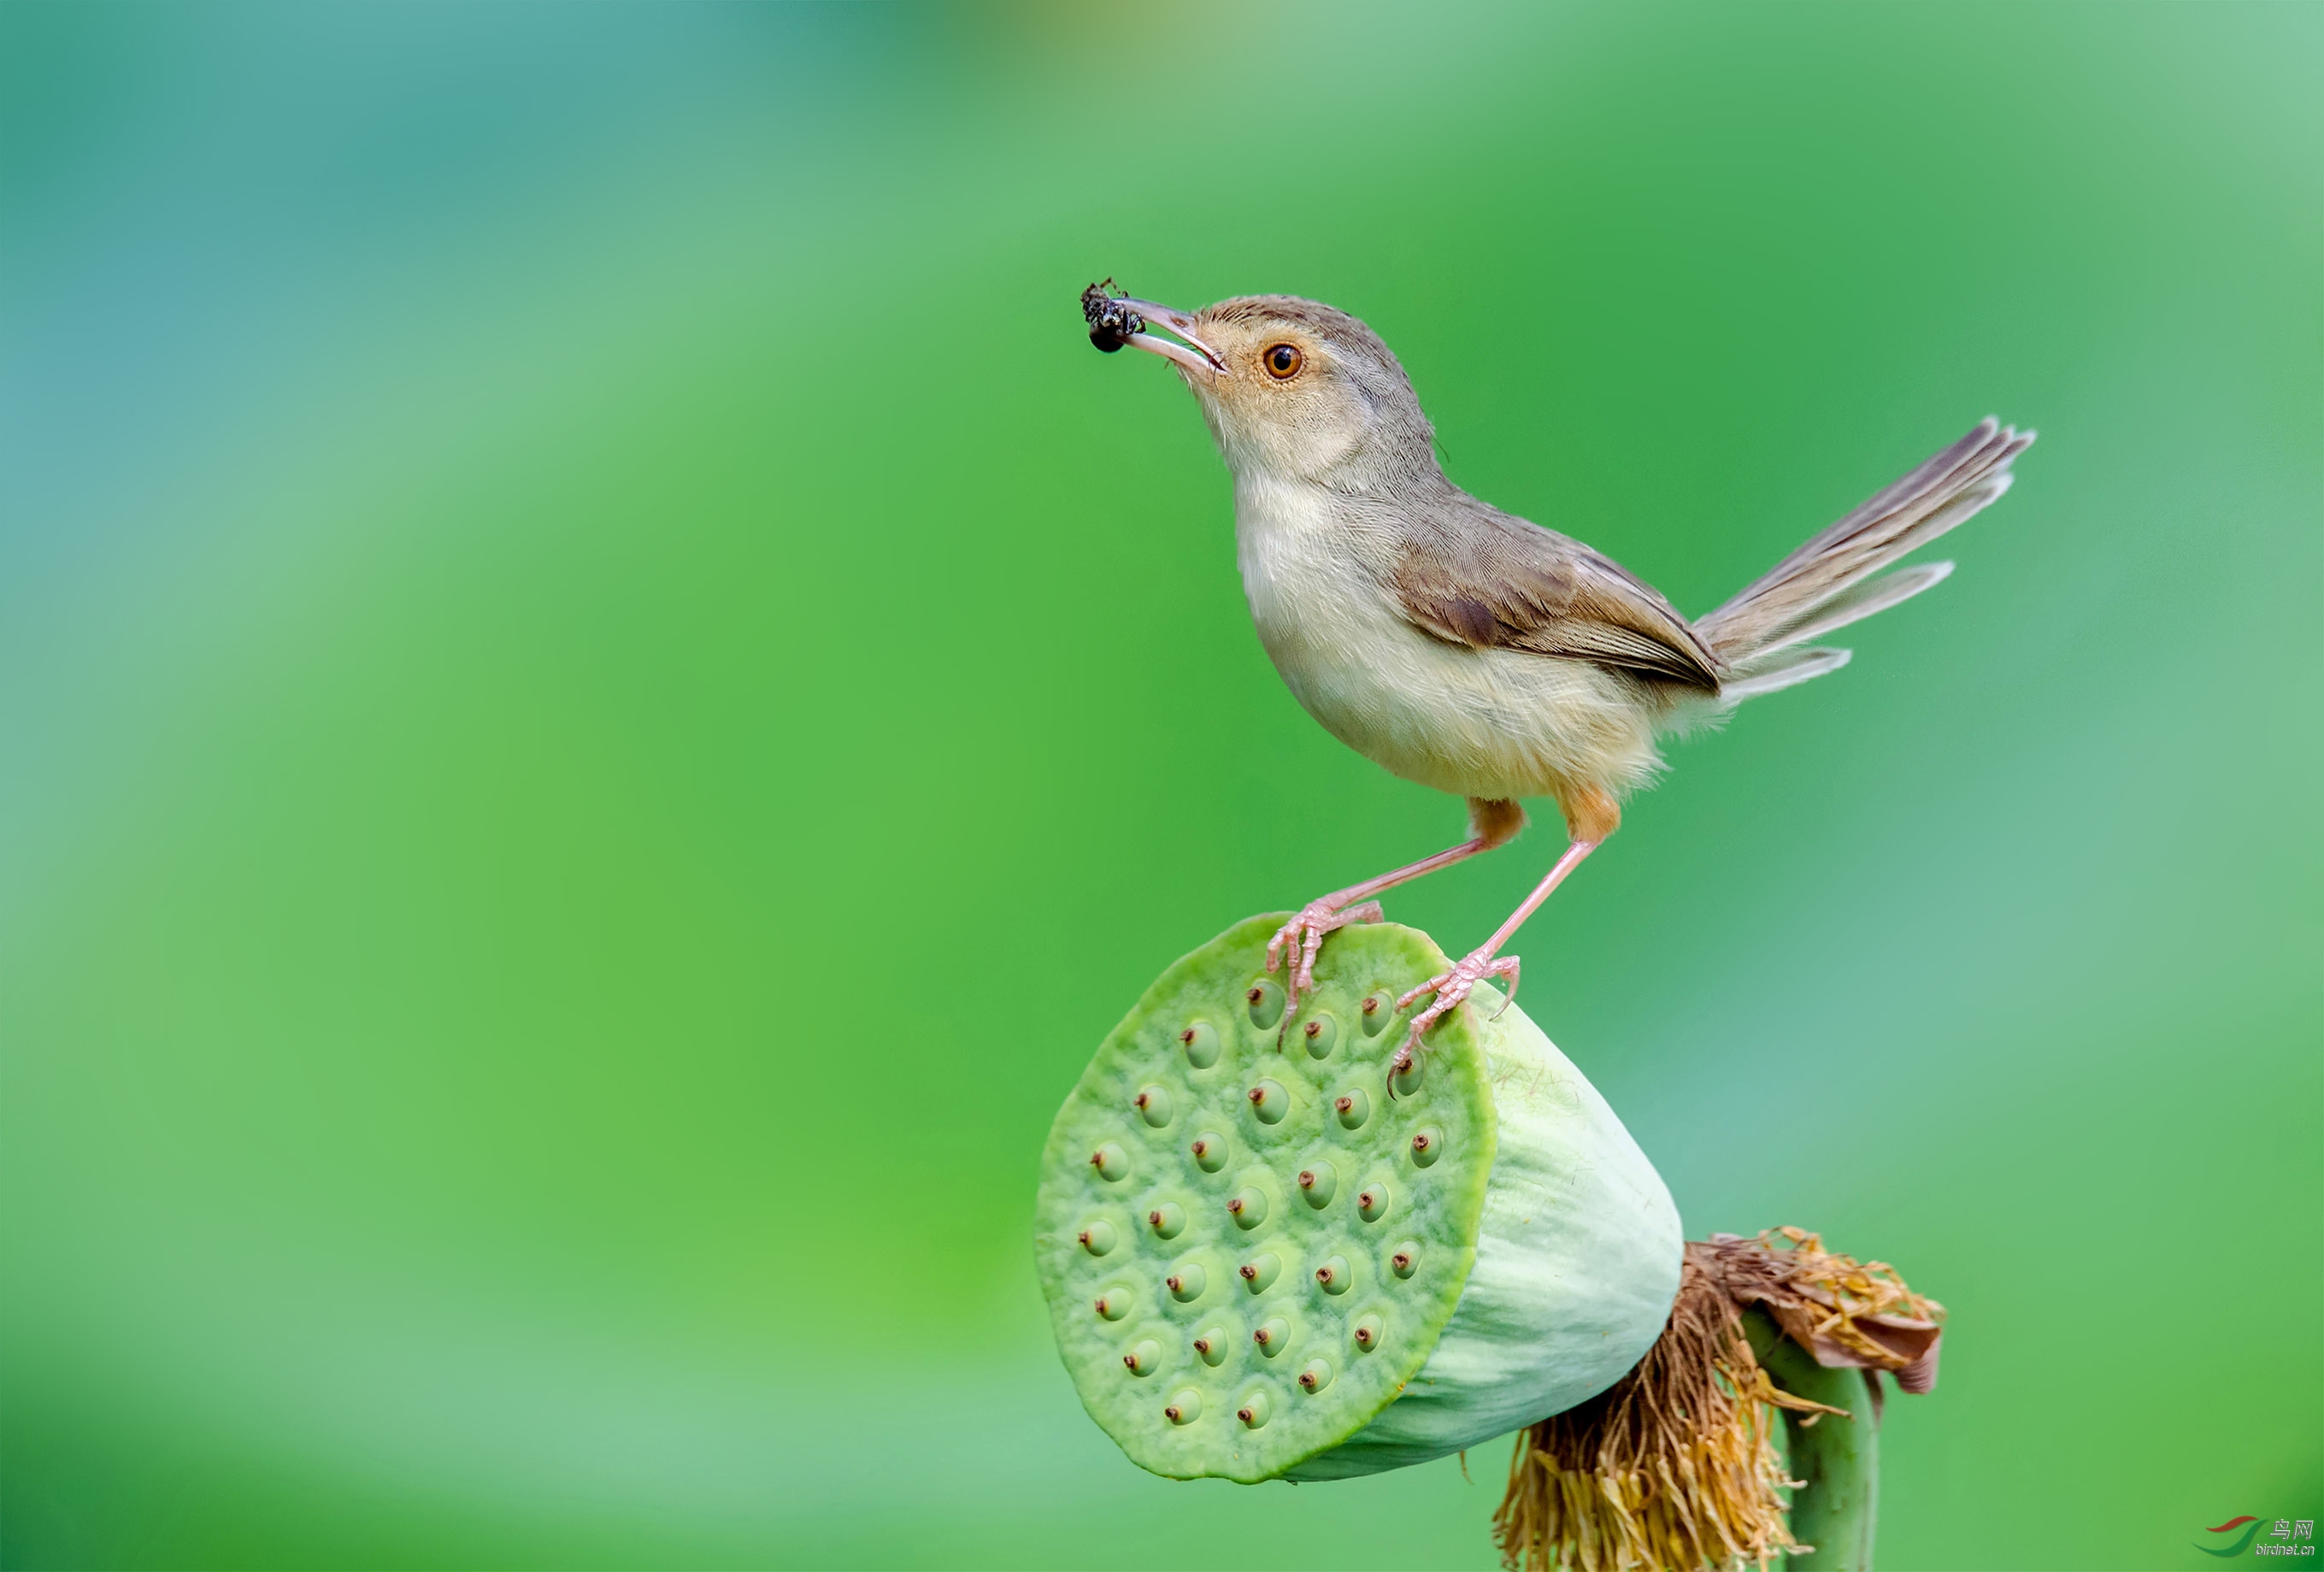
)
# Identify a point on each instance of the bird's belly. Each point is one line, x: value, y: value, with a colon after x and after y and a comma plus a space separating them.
x: 1480, y: 722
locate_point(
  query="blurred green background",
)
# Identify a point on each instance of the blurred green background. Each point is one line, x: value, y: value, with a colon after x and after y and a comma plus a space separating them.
x: 603, y: 700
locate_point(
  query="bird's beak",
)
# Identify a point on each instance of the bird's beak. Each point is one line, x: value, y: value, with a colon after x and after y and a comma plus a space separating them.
x: 1194, y: 354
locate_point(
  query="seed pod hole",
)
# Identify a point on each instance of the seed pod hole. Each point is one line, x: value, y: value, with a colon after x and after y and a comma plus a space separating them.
x: 1142, y: 1359
x: 1248, y: 1207
x: 1273, y: 1336
x: 1264, y: 1000
x: 1153, y: 1106
x: 1166, y: 1220
x: 1112, y: 1163
x: 1333, y: 1276
x: 1269, y: 1101
x: 1099, y: 1237
x: 1320, y: 1034
x: 1405, y: 1080
x: 1201, y: 1044
x: 1377, y: 1010
x: 1113, y: 1304
x: 1183, y: 1408
x: 1210, y: 1149
x: 1371, y: 1203
x: 1407, y: 1259
x: 1259, y: 1272
x: 1316, y: 1377
x: 1366, y: 1334
x: 1428, y: 1146
x: 1317, y: 1184
x: 1210, y: 1345
x: 1352, y: 1108
x: 1253, y: 1412
x: 1188, y: 1282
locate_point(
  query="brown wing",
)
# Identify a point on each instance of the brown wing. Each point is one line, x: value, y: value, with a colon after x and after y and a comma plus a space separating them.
x: 1478, y: 577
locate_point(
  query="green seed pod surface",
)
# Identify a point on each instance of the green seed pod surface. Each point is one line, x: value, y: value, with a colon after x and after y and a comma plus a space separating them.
x: 1539, y: 1251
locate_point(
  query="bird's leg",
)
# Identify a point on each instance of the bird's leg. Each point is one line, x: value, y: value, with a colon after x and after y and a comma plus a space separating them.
x: 1300, y: 940
x: 1589, y: 818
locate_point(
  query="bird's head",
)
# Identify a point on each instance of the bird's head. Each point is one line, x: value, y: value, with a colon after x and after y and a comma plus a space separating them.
x: 1292, y: 389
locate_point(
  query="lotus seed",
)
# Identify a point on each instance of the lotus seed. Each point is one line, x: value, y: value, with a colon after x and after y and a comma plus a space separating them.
x: 1274, y: 1335
x: 1188, y: 1282
x: 1201, y: 1042
x: 1261, y: 1270
x: 1368, y: 1333
x: 1142, y: 1359
x: 1372, y: 1205
x: 1099, y: 1237
x: 1333, y: 1275
x: 1318, y: 1183
x: 1209, y: 1153
x: 1428, y: 1146
x: 1212, y: 1345
x: 1321, y: 1032
x: 1266, y: 1002
x: 1269, y: 1101
x: 1184, y: 1407
x: 1316, y: 1377
x: 1253, y: 1412
x: 1353, y: 1108
x: 1113, y: 1304
x: 1379, y: 1010
x: 1167, y: 1219
x: 1406, y: 1257
x: 1407, y: 1079
x: 1154, y: 1103
x: 1111, y: 1161
x: 1248, y: 1208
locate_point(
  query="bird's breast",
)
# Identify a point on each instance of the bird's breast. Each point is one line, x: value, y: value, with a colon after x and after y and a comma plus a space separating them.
x: 1483, y: 723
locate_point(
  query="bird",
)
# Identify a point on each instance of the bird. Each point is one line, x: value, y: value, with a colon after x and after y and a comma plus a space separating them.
x: 1474, y: 651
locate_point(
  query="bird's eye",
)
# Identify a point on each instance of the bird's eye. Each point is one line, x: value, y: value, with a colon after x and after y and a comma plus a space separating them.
x: 1283, y: 362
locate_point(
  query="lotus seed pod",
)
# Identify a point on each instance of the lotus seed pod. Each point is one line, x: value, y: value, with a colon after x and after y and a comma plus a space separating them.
x: 1541, y: 1251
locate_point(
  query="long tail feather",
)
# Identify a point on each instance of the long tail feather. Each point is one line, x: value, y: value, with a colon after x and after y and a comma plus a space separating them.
x: 1823, y: 586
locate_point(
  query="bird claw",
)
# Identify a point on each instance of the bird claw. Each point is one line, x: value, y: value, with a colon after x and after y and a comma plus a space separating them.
x: 1303, y: 938
x: 1451, y: 989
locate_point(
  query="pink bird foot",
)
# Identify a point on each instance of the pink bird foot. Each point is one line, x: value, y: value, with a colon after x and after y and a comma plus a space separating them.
x: 1451, y: 988
x: 1303, y: 936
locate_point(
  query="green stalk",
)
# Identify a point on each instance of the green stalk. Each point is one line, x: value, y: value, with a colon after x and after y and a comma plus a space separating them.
x: 1837, y: 1459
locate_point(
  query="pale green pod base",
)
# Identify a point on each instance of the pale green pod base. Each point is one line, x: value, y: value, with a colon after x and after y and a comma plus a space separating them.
x: 1540, y: 1251
x: 1577, y: 1262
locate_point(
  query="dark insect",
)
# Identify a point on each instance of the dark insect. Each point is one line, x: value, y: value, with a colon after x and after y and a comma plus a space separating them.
x: 1110, y: 323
